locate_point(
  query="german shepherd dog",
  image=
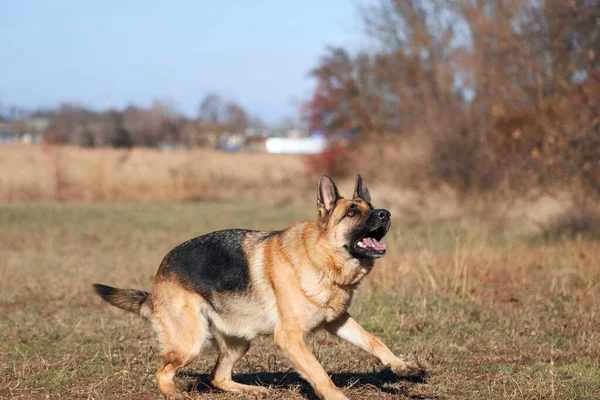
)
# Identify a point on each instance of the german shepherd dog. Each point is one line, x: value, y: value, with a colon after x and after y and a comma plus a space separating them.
x: 227, y: 287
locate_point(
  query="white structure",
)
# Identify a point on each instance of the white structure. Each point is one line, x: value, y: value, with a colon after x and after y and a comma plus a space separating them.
x: 278, y: 145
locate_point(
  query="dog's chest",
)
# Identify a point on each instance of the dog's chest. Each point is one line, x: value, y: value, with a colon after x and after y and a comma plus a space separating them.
x: 327, y: 300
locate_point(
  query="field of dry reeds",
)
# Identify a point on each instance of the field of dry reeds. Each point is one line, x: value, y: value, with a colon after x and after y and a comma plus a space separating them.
x: 32, y: 173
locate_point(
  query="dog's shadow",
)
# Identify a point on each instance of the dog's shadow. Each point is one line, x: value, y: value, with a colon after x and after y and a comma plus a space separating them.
x: 284, y: 380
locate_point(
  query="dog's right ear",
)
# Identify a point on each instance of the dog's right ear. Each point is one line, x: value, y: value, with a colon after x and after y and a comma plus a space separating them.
x: 327, y: 195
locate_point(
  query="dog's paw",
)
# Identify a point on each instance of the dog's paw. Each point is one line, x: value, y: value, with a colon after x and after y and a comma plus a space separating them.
x: 179, y: 396
x: 261, y: 392
x: 409, y: 369
x: 337, y: 395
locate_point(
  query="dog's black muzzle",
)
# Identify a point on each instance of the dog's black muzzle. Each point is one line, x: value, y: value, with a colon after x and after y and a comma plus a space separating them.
x: 365, y: 240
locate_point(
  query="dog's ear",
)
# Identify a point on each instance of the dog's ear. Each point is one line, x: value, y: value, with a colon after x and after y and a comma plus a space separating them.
x: 327, y: 195
x: 361, y: 192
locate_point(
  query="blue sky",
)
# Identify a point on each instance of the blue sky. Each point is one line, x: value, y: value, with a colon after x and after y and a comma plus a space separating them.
x: 111, y: 53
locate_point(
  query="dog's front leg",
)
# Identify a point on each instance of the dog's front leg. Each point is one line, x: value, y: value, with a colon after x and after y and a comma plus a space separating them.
x: 348, y: 329
x: 291, y: 342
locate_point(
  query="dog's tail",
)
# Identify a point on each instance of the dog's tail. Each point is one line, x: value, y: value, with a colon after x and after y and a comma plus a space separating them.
x: 135, y: 301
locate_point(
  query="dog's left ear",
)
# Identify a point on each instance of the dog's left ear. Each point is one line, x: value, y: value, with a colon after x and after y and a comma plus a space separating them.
x: 361, y: 192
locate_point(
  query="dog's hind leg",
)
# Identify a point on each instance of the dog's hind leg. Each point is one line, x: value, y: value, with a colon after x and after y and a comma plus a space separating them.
x: 182, y: 330
x: 231, y: 349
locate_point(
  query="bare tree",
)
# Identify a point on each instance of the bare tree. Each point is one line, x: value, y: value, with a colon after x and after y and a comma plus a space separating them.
x: 506, y: 90
x: 236, y: 118
x: 211, y: 109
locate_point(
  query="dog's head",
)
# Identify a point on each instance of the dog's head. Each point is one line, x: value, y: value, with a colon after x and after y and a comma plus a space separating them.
x: 354, y: 226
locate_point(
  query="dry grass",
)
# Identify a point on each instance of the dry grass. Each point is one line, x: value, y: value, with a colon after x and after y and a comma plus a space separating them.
x: 31, y: 173
x: 493, y: 314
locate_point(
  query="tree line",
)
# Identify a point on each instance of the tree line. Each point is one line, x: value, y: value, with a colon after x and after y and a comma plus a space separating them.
x: 161, y: 123
x: 506, y: 91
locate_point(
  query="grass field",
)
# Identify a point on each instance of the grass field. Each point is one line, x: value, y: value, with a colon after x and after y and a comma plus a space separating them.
x: 492, y: 313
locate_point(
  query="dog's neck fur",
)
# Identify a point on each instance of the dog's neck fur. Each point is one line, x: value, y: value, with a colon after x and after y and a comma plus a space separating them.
x: 341, y: 268
x: 327, y: 278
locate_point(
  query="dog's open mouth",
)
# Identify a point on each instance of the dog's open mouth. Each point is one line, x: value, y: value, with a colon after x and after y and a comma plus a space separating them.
x: 370, y: 243
x: 369, y: 246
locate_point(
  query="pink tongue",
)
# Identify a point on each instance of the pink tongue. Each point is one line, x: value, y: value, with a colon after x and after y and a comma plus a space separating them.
x: 373, y: 244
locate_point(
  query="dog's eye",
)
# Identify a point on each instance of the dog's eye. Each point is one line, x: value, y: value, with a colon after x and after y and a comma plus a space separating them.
x: 350, y: 213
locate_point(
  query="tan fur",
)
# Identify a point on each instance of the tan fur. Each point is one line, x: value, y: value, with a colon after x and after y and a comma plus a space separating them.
x: 301, y: 279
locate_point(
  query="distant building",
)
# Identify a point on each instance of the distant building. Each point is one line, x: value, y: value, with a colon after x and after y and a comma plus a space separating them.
x: 28, y: 130
x: 6, y: 133
x: 34, y: 129
x: 231, y: 142
x: 296, y: 145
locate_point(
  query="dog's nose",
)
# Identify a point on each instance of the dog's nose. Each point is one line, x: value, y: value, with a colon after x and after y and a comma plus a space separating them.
x: 383, y: 215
